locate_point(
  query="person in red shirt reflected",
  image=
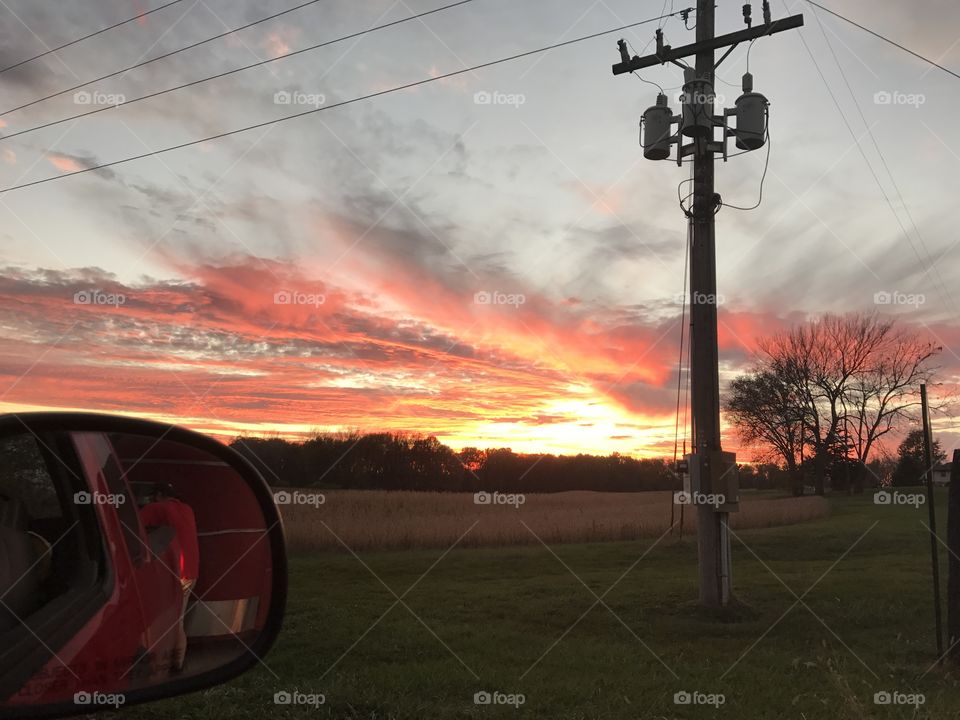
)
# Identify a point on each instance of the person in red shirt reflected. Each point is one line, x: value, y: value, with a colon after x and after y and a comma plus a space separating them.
x: 166, y: 509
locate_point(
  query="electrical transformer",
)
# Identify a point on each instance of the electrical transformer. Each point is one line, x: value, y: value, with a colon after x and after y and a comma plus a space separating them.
x: 698, y: 97
x: 751, y: 117
x: 656, y: 135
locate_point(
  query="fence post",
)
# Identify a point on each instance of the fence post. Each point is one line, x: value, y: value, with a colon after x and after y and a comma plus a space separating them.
x: 953, y: 571
x: 928, y: 461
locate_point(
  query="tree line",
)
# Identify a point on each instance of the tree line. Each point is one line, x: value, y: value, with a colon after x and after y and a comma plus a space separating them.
x: 814, y: 408
x: 821, y: 397
x: 410, y: 461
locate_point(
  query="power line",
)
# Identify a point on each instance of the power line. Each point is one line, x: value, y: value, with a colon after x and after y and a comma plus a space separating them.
x: 683, y: 332
x: 676, y: 429
x: 686, y: 389
x: 663, y: 16
x: 160, y: 57
x: 90, y: 35
x: 342, y: 103
x: 926, y: 263
x: 230, y: 72
x: 648, y: 82
x: 885, y: 39
x: 630, y: 45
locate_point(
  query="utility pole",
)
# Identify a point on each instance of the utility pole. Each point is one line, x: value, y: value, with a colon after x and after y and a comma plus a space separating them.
x: 713, y: 539
x: 713, y: 473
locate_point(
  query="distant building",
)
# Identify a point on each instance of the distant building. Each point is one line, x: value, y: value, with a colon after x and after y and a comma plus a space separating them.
x: 941, y: 473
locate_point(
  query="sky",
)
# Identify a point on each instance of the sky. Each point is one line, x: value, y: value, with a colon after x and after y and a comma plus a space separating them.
x: 497, y: 274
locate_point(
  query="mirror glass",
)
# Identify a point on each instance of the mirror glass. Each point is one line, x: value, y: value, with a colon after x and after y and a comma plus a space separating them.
x: 126, y: 562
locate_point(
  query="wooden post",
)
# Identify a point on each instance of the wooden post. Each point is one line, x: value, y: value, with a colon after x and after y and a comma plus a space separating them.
x: 953, y: 567
x: 932, y: 515
x: 673, y: 507
x: 681, y: 522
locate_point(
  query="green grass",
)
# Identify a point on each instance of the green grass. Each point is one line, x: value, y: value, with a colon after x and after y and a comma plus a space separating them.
x: 498, y: 610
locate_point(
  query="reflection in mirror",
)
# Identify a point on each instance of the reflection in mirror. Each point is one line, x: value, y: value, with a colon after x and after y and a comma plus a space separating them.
x: 126, y: 562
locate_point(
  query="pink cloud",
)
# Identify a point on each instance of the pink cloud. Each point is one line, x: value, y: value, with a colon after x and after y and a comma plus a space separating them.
x: 64, y: 163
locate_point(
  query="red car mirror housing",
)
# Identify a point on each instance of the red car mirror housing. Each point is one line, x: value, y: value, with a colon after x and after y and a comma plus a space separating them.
x: 237, y: 595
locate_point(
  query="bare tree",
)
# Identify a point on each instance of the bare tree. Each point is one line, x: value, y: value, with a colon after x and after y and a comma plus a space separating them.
x: 765, y: 411
x: 886, y: 392
x: 848, y: 380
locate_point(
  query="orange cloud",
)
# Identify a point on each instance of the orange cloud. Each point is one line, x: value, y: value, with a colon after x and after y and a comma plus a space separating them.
x: 277, y: 42
x: 602, y: 200
x: 64, y: 163
x: 256, y: 345
x: 262, y: 345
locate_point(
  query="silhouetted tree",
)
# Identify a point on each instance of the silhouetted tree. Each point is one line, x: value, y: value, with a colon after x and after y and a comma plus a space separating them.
x: 911, y: 465
x: 829, y: 390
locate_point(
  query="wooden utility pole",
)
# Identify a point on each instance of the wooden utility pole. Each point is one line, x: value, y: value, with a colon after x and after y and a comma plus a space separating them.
x: 713, y: 539
x: 713, y: 472
x: 932, y: 516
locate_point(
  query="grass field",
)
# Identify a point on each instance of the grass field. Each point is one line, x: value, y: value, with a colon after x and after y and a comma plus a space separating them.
x: 525, y: 620
x: 380, y: 520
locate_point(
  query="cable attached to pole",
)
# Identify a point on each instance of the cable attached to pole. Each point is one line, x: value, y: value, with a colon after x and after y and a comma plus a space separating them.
x: 766, y: 165
x: 683, y: 332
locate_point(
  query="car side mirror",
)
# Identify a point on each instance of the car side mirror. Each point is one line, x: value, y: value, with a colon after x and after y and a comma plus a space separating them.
x: 138, y: 561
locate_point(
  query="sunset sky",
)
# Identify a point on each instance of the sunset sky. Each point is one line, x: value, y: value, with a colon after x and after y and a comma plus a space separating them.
x: 388, y: 217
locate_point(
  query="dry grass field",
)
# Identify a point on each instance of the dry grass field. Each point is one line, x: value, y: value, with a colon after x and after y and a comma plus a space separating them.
x: 382, y: 520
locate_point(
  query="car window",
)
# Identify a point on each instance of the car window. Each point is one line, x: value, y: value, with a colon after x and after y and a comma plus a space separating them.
x: 53, y: 565
x: 46, y: 546
x: 96, y: 449
x: 25, y: 479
